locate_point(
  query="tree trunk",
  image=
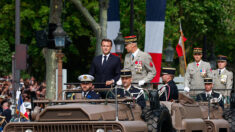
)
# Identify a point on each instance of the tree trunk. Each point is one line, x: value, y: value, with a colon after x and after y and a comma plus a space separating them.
x: 50, y: 54
x: 99, y: 29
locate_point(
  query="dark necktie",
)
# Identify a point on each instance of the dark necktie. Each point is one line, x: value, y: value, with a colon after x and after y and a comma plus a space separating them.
x: 219, y: 72
x: 104, y: 61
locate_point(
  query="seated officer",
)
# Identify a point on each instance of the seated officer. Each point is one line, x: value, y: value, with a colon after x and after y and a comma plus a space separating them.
x: 170, y: 91
x: 127, y: 89
x: 87, y: 87
x: 214, y: 97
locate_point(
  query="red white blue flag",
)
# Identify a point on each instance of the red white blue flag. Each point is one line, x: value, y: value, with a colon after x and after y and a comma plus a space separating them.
x: 113, y: 24
x: 154, y: 32
x: 20, y: 107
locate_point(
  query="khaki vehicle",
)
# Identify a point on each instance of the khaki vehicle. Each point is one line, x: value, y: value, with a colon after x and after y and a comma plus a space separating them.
x: 184, y: 115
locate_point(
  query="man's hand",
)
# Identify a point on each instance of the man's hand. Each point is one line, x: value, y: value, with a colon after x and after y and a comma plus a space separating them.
x: 141, y: 82
x: 186, y: 89
x: 109, y: 82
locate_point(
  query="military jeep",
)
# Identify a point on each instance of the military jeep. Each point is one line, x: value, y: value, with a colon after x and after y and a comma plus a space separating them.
x: 184, y: 115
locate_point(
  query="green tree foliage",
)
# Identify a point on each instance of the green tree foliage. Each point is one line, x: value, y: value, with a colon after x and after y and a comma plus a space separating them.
x: 213, y: 19
x: 5, y: 59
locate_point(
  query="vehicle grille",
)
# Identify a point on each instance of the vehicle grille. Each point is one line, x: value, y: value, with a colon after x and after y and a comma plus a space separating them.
x: 63, y: 127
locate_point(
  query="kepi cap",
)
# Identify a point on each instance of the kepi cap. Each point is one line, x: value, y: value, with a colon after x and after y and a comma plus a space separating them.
x: 130, y: 39
x: 208, y: 80
x: 168, y: 70
x: 221, y: 58
x: 126, y: 73
x: 197, y: 51
x: 85, y: 78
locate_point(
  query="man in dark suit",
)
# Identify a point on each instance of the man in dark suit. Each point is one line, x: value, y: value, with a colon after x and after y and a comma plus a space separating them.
x: 106, y: 67
x: 214, y: 97
x: 169, y: 91
x: 128, y: 90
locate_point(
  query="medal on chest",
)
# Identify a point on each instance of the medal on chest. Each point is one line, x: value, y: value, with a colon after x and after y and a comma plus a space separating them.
x: 223, y: 79
x: 138, y: 67
x: 203, y: 73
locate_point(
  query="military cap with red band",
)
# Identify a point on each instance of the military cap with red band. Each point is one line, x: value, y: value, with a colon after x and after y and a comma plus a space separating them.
x: 130, y: 39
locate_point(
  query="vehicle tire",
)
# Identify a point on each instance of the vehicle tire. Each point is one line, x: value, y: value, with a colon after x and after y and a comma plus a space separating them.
x: 229, y: 115
x: 158, y: 120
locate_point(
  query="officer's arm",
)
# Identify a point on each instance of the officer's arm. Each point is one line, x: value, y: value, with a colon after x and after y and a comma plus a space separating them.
x: 150, y: 68
x: 229, y: 83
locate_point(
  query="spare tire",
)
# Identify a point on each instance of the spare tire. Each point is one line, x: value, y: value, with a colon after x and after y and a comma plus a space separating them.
x: 229, y: 115
x: 158, y: 120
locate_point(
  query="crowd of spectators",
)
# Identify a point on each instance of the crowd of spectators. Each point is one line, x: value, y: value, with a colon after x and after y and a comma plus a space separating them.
x: 30, y: 89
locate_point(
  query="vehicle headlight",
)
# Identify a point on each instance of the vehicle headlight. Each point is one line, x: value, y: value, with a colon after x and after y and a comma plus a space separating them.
x: 100, y: 130
x: 28, y: 130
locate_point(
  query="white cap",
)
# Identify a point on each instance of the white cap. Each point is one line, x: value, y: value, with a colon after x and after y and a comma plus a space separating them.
x: 86, y: 78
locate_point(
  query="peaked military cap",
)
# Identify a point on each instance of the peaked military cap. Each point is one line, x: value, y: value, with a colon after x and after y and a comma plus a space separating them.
x: 168, y: 70
x: 126, y: 73
x: 130, y: 39
x: 208, y: 80
x: 222, y: 58
x: 85, y: 78
x: 197, y: 51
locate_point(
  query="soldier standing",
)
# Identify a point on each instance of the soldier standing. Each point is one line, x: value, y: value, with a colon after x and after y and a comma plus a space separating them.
x: 140, y: 63
x: 169, y: 91
x: 214, y: 97
x: 196, y: 72
x: 223, y: 79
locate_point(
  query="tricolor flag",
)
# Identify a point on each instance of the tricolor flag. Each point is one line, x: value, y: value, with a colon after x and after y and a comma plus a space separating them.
x: 154, y: 31
x: 20, y: 107
x: 113, y: 24
x: 179, y: 46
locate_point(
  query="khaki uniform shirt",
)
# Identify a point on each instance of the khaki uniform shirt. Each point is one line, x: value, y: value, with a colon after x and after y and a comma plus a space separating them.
x: 223, y: 81
x: 194, y: 76
x: 142, y: 67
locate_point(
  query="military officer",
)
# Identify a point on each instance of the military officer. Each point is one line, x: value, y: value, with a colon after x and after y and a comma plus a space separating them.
x: 169, y: 91
x: 214, y: 97
x: 129, y: 90
x: 223, y: 79
x: 196, y: 72
x: 140, y: 63
x: 87, y: 87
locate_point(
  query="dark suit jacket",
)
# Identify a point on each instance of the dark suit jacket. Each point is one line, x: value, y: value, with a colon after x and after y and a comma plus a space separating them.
x: 111, y: 70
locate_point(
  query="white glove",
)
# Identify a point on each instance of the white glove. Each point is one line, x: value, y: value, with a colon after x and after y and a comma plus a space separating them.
x: 119, y: 82
x: 141, y: 82
x: 186, y: 89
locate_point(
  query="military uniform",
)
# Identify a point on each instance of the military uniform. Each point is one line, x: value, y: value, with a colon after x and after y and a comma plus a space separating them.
x: 195, y: 73
x: 223, y: 79
x: 215, y: 97
x: 169, y: 91
x: 135, y: 92
x: 89, y: 94
x: 140, y: 63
